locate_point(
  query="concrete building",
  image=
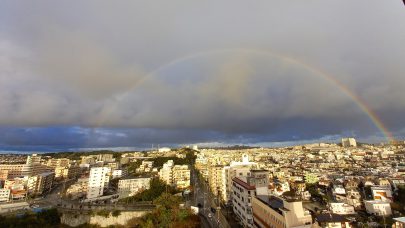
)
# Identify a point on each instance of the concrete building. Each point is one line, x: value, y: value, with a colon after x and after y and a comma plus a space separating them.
x: 60, y: 162
x: 235, y: 169
x: 341, y: 208
x: 399, y: 222
x: 33, y: 159
x: 377, y: 207
x: 164, y: 149
x: 331, y: 221
x: 4, y: 175
x: 349, y: 142
x: 145, y: 167
x: 41, y: 183
x: 78, y: 189
x: 5, y: 195
x: 216, y: 179
x: 105, y: 157
x: 15, y: 170
x: 178, y: 175
x: 98, y: 180
x: 166, y: 173
x: 67, y: 172
x: 131, y: 186
x: 277, y: 212
x: 242, y: 194
x: 243, y: 189
x: 382, y: 193
x: 181, y: 176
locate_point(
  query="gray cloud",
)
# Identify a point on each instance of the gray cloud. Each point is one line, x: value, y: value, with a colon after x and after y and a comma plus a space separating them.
x: 94, y: 64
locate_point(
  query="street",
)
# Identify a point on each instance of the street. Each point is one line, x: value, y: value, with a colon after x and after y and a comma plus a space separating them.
x: 205, y: 198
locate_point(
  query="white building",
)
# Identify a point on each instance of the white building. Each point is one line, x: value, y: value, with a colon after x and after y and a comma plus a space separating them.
x: 349, y: 142
x: 166, y: 173
x: 382, y: 193
x: 339, y: 190
x: 273, y: 211
x: 131, y: 186
x: 341, y: 208
x: 98, y: 180
x: 235, y: 169
x: 4, y: 195
x: 118, y: 173
x: 377, y: 207
x: 181, y: 176
x: 164, y: 149
x: 243, y: 189
x: 242, y: 194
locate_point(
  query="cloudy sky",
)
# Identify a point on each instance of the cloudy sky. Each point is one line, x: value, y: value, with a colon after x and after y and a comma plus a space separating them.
x: 94, y: 74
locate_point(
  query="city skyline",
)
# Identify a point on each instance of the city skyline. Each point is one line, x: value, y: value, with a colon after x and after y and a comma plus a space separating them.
x: 132, y: 74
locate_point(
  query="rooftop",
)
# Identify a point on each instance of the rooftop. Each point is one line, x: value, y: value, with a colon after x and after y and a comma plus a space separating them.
x: 243, y: 184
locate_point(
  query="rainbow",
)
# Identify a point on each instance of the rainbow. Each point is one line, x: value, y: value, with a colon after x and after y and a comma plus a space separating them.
x: 343, y: 88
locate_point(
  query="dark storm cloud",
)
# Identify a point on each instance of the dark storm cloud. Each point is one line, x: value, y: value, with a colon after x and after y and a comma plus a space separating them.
x: 105, y: 65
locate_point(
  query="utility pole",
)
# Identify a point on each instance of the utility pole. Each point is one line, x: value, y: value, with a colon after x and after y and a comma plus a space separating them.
x: 218, y: 207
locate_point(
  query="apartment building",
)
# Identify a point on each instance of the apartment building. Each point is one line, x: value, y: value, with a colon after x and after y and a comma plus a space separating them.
x: 181, y: 176
x: 331, y: 220
x: 131, y: 186
x: 5, y: 195
x: 243, y: 189
x: 349, y: 142
x: 166, y: 173
x: 98, y: 180
x: 235, y: 169
x: 216, y: 179
x: 377, y: 207
x: 67, y: 172
x: 278, y: 212
x: 78, y: 189
x: 341, y: 208
x: 60, y: 162
x: 382, y: 193
x: 145, y: 167
x: 40, y: 183
x: 242, y: 194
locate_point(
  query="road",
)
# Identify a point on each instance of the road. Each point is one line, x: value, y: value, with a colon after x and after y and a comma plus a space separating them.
x: 204, y: 197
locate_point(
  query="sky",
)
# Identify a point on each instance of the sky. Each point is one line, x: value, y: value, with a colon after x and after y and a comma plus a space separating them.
x: 129, y: 74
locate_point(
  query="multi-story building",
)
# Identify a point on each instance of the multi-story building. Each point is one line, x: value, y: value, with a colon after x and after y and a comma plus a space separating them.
x: 105, y: 157
x: 40, y: 183
x: 278, y: 212
x: 181, y: 176
x: 68, y: 172
x: 242, y: 194
x: 166, y: 172
x: 178, y: 175
x: 131, y: 186
x: 235, y: 169
x: 331, y: 221
x: 243, y: 189
x: 145, y: 167
x: 15, y: 170
x: 399, y: 222
x: 4, y: 175
x: 216, y: 179
x: 5, y: 195
x: 349, y: 142
x: 98, y: 180
x: 341, y: 208
x: 377, y: 207
x: 79, y: 189
x: 60, y: 162
x: 382, y: 193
